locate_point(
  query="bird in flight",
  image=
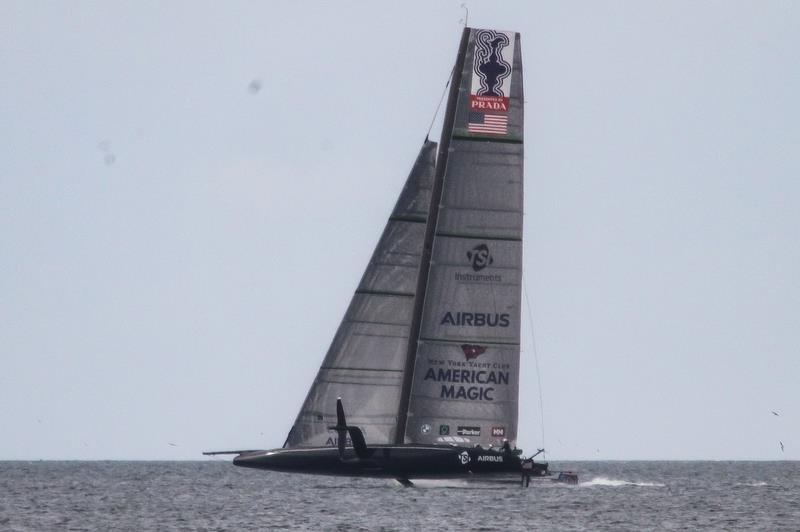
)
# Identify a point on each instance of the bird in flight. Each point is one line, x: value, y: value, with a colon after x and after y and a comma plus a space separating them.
x: 774, y: 413
x: 781, y: 445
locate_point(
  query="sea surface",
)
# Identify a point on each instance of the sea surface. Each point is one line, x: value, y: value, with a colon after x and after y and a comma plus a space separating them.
x: 214, y: 495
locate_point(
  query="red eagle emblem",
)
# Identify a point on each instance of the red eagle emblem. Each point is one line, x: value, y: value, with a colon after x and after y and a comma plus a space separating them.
x: 473, y: 351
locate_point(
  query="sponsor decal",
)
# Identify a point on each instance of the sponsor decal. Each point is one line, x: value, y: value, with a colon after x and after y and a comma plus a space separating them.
x: 480, y: 257
x: 498, y: 432
x: 444, y: 430
x: 490, y: 458
x: 480, y: 377
x: 486, y: 123
x: 425, y: 429
x: 333, y: 441
x: 469, y: 376
x: 491, y: 82
x: 468, y: 431
x: 476, y: 319
x: 472, y: 351
x: 463, y: 457
x: 478, y: 277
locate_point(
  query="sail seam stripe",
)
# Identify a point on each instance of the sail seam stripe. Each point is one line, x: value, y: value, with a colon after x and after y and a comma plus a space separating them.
x: 479, y: 237
x: 468, y: 401
x: 376, y: 323
x: 393, y: 385
x: 477, y: 418
x: 479, y: 209
x: 383, y: 293
x: 442, y: 340
x: 359, y: 369
x: 488, y: 139
x: 409, y: 219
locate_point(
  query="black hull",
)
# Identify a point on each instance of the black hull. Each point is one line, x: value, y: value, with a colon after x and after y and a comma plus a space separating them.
x: 393, y: 461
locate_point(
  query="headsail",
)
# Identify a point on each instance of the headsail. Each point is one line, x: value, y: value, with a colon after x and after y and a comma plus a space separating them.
x: 366, y: 360
x: 465, y: 382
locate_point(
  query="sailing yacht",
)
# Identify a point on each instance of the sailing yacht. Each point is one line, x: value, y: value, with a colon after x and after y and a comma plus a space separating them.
x: 422, y: 377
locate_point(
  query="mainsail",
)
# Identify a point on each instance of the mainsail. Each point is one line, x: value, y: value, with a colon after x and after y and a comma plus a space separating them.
x: 465, y: 383
x: 428, y: 351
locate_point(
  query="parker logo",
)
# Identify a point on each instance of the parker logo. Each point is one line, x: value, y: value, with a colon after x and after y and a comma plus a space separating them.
x: 468, y: 431
x: 480, y: 257
x: 444, y: 430
x: 463, y: 457
x: 472, y: 351
x: 498, y: 432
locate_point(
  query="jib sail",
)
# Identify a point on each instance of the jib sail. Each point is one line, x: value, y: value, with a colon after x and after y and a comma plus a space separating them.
x: 367, y: 358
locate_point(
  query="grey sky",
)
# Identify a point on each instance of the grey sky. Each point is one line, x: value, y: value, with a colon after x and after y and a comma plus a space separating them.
x: 186, y: 292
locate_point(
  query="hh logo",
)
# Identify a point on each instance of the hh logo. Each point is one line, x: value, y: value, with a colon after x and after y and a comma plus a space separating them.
x: 498, y: 432
x: 479, y: 257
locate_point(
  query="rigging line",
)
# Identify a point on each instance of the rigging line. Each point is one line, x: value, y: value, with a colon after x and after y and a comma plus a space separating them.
x: 439, y: 106
x: 535, y: 359
x: 466, y: 16
x: 441, y: 99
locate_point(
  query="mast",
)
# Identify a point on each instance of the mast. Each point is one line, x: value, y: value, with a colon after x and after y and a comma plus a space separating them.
x: 430, y: 230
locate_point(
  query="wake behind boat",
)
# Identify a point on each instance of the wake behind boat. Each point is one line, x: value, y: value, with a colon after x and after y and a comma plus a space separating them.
x: 426, y: 359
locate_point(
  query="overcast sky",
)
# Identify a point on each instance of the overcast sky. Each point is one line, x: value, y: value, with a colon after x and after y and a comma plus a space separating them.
x: 189, y: 193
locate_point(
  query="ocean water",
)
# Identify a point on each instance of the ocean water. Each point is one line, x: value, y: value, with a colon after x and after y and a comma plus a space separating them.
x: 214, y: 495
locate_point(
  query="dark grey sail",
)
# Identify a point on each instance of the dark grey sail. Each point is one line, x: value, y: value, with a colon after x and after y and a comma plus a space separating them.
x: 367, y: 358
x: 465, y: 384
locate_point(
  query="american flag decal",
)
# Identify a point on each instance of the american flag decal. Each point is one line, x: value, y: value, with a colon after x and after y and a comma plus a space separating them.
x: 486, y: 123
